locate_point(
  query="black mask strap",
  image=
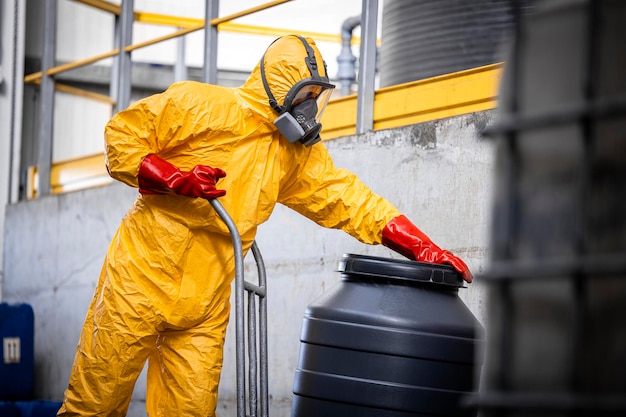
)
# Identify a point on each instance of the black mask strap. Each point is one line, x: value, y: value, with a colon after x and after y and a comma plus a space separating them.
x: 273, y: 101
x: 310, y: 60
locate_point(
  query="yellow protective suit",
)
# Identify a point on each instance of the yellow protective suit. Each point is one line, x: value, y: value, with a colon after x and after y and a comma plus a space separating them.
x: 163, y: 294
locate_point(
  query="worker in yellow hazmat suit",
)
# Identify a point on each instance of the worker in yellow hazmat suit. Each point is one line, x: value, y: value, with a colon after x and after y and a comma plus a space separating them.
x: 163, y: 293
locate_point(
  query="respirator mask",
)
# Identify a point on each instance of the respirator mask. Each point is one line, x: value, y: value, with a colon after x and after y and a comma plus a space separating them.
x: 299, y: 116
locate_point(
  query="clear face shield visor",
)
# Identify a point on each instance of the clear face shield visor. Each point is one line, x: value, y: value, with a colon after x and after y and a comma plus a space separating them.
x: 309, y: 89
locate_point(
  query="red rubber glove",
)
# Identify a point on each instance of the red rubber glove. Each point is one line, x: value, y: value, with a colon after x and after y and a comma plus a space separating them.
x: 405, y: 238
x: 157, y: 176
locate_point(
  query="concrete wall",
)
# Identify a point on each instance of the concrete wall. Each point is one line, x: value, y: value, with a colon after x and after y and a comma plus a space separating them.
x: 438, y: 173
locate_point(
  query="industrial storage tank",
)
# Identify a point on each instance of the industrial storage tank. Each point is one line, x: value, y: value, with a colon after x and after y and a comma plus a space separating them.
x: 392, y: 339
x: 425, y: 38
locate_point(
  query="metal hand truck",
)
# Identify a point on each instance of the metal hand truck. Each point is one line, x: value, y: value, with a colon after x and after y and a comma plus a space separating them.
x: 257, y: 366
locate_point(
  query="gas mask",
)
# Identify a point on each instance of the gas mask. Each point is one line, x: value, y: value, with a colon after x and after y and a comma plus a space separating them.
x: 299, y: 116
x: 301, y: 119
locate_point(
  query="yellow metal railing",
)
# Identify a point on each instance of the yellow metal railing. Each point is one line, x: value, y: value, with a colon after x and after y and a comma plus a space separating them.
x: 189, y: 26
x: 401, y: 105
x: 420, y: 101
x: 223, y: 24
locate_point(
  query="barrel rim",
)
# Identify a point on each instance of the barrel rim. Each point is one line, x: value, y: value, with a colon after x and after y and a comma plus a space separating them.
x: 400, y: 269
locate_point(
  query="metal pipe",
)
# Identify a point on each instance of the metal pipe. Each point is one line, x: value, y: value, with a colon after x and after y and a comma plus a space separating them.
x: 46, y: 109
x: 180, y: 66
x: 367, y: 67
x: 209, y: 70
x: 124, y: 63
x: 346, y: 59
x: 16, y: 87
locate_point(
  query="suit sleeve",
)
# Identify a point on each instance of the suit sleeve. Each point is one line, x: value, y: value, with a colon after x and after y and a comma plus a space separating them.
x: 156, y: 124
x: 130, y: 136
x: 335, y: 198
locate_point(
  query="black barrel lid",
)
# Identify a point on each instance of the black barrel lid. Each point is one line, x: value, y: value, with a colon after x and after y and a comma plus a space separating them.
x: 400, y: 269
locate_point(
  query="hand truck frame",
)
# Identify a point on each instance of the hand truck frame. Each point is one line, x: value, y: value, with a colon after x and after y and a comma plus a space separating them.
x: 257, y: 381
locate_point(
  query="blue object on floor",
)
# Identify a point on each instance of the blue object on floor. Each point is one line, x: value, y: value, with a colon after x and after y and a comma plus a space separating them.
x: 9, y: 409
x: 38, y: 408
x: 17, y: 361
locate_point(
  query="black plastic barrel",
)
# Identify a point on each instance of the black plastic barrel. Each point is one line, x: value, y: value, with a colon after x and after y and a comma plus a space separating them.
x: 391, y: 339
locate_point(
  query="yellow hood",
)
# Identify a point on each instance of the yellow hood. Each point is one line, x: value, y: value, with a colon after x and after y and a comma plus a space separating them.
x: 285, y: 65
